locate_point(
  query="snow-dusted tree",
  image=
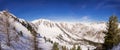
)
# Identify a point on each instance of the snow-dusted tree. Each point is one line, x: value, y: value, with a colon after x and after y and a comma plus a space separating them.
x: 0, y: 46
x: 0, y: 42
x: 73, y: 48
x: 20, y: 33
x: 64, y: 48
x: 35, y: 41
x: 4, y: 22
x: 7, y: 31
x: 78, y: 48
x: 55, y: 46
x: 112, y: 37
x: 34, y: 38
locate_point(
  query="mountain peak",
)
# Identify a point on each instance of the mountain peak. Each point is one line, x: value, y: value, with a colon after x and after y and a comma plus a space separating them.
x: 40, y: 20
x: 4, y: 12
x: 7, y: 13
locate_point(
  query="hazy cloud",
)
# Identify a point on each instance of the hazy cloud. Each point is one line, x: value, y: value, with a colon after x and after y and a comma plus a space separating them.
x: 108, y: 4
x: 86, y: 19
x: 99, y: 5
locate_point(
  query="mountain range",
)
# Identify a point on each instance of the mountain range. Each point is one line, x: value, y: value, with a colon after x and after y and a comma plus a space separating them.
x: 83, y: 34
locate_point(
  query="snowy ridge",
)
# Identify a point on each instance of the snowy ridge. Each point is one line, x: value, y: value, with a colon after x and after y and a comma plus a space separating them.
x: 15, y: 27
x: 86, y: 35
x: 20, y: 34
x: 68, y: 34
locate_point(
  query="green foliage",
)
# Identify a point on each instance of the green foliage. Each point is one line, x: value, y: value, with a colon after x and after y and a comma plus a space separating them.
x: 55, y: 46
x: 112, y: 34
x: 64, y: 48
x: 73, y: 48
x: 78, y: 48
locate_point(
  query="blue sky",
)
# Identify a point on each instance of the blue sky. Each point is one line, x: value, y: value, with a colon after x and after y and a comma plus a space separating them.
x: 63, y: 10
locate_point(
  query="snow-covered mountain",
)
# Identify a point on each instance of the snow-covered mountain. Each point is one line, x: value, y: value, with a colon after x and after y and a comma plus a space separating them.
x: 68, y: 34
x: 19, y: 32
x: 85, y: 35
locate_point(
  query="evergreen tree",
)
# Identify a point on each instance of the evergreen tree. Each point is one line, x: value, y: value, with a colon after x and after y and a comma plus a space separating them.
x: 99, y: 47
x: 35, y: 40
x: 112, y: 36
x: 0, y: 46
x: 55, y: 46
x: 7, y: 29
x: 4, y: 21
x: 73, y: 48
x: 44, y: 39
x: 20, y: 33
x: 78, y: 48
x: 64, y: 48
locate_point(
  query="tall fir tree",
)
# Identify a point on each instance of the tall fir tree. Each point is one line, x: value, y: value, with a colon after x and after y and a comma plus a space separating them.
x: 55, y: 46
x: 73, y: 48
x: 112, y: 34
x: 64, y: 48
x: 35, y: 41
x: 78, y: 48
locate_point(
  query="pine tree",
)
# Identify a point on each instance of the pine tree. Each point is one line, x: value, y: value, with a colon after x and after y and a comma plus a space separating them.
x: 35, y: 40
x: 35, y: 35
x: 7, y: 29
x: 78, y: 48
x: 55, y: 46
x: 44, y: 39
x: 20, y: 33
x: 0, y: 45
x: 112, y: 36
x: 99, y: 47
x: 5, y: 23
x: 73, y: 48
x: 64, y: 48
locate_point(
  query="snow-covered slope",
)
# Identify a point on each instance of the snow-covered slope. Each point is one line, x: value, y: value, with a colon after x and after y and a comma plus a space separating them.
x: 19, y: 31
x: 85, y: 35
x: 68, y: 34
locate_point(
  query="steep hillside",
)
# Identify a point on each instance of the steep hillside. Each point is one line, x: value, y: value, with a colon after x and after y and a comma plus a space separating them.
x: 16, y: 34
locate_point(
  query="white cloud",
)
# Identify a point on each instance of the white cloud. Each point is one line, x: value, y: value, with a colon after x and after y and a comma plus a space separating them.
x: 85, y: 18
